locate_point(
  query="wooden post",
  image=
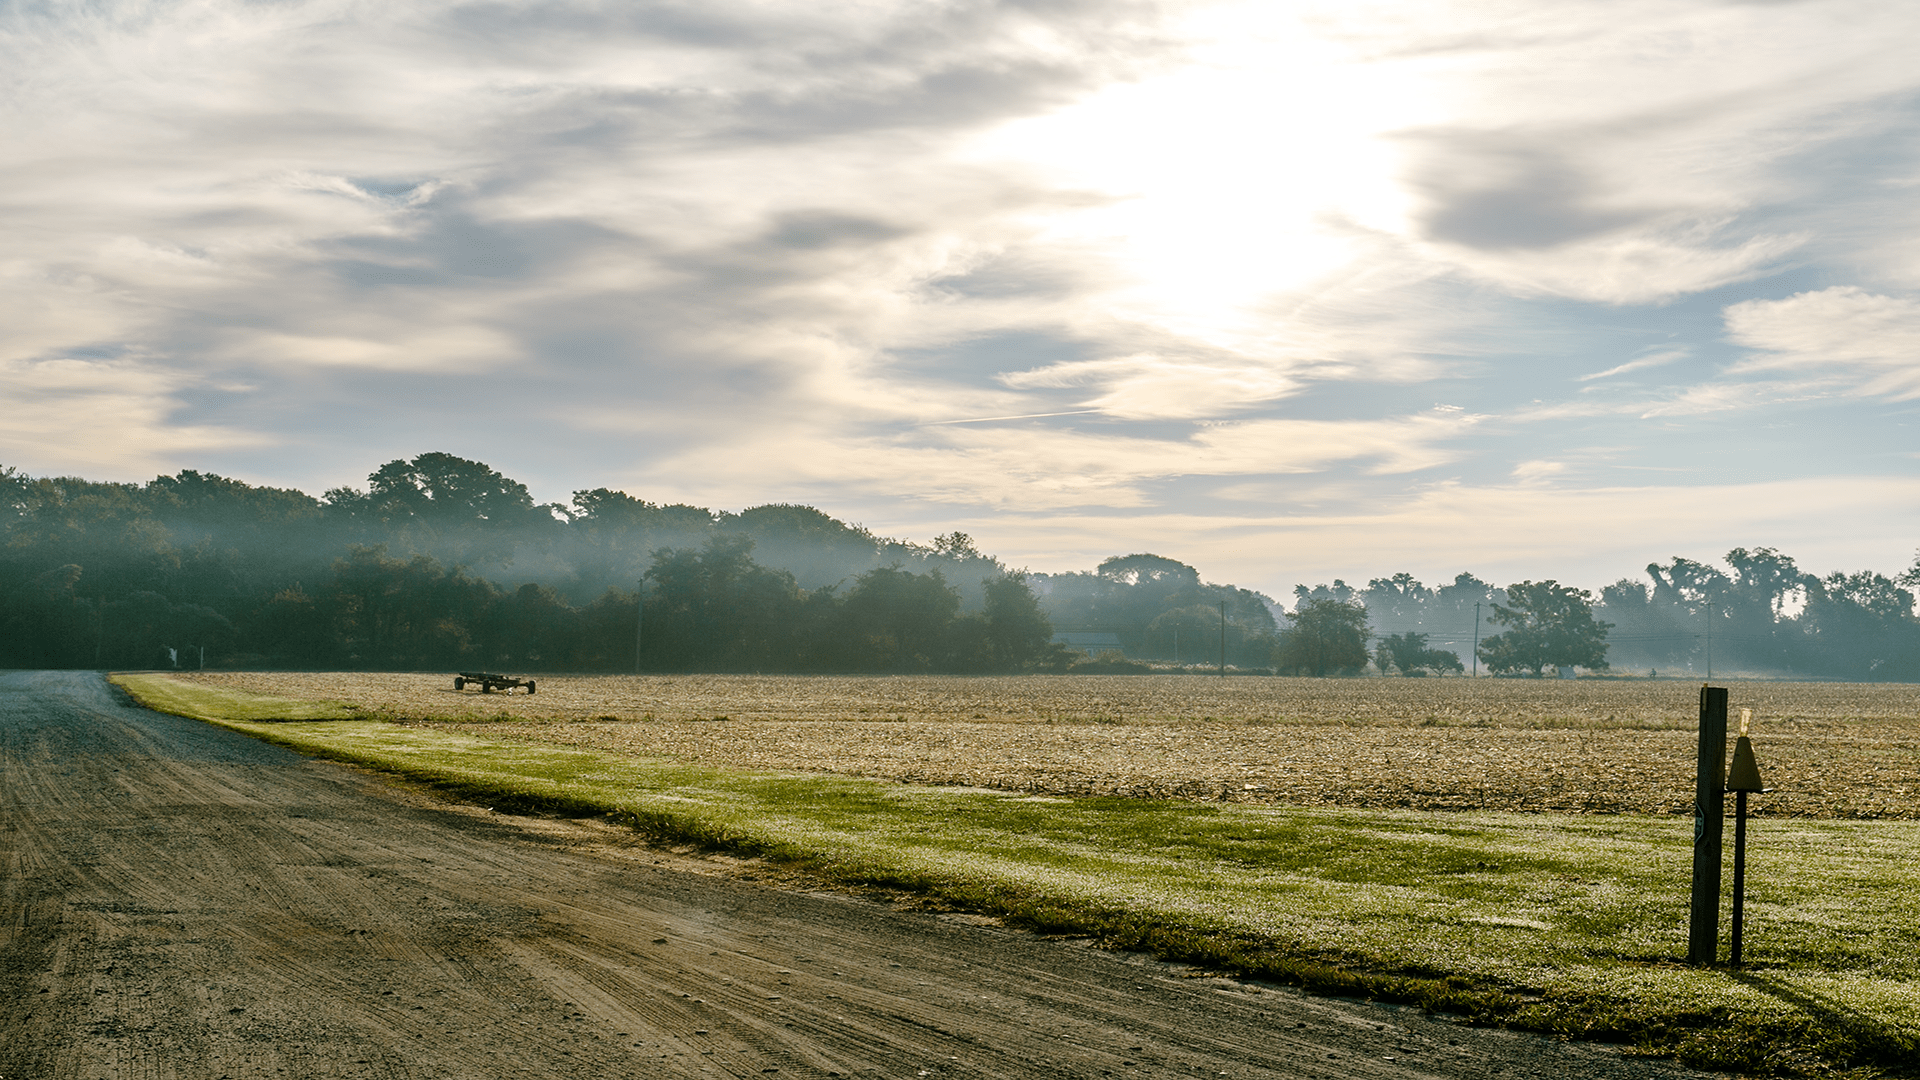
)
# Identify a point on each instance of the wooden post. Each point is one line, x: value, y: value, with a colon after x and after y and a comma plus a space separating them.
x: 1709, y: 822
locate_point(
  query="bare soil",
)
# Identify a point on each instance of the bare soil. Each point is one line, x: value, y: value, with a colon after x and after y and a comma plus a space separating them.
x: 1829, y: 750
x: 179, y: 901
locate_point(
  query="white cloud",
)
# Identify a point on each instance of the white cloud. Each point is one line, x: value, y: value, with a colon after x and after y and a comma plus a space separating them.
x: 1537, y: 472
x: 1845, y: 334
x: 1657, y: 358
x: 1024, y: 469
x: 1145, y: 386
x: 105, y: 419
x: 1585, y: 537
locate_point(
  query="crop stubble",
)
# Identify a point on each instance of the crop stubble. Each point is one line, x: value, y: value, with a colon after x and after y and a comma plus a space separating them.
x: 1832, y: 750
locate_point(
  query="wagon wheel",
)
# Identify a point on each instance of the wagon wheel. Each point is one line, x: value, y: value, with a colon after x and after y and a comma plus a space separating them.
x: 529, y: 686
x: 459, y: 683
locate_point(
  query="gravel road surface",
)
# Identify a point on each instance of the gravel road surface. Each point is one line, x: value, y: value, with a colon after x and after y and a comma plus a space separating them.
x: 180, y: 901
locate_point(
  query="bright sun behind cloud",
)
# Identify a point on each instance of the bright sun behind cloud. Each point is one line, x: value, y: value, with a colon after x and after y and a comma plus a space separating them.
x: 1235, y: 177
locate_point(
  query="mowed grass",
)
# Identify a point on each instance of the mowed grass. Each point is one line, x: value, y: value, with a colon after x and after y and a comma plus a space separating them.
x: 1564, y: 924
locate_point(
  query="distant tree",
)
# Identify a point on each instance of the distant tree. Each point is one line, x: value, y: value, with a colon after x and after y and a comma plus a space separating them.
x: 1687, y: 582
x: 14, y: 487
x: 444, y: 491
x: 904, y: 617
x: 1339, y: 591
x: 715, y: 608
x: 1763, y: 580
x: 1910, y: 577
x: 1326, y: 636
x: 404, y: 613
x: 957, y: 546
x: 815, y: 547
x: 291, y: 629
x: 1188, y: 634
x: 1019, y: 635
x: 531, y: 628
x: 1860, y: 626
x: 1397, y: 601
x: 1147, y: 569
x: 1125, y: 594
x: 191, y: 498
x: 1408, y: 654
x: 1550, y: 625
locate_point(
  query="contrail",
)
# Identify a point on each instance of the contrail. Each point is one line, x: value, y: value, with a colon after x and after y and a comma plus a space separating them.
x: 1023, y: 416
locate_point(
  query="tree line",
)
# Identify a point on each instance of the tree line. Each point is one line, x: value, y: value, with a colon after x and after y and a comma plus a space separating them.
x: 1762, y: 613
x: 442, y: 562
x: 406, y: 575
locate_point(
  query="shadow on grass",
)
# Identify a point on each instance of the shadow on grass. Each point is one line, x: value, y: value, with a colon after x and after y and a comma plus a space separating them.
x: 1839, y: 1032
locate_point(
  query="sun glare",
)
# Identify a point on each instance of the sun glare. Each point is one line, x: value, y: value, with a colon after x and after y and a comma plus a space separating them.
x: 1249, y: 172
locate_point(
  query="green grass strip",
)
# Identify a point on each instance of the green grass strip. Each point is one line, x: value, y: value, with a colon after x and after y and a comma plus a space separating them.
x: 1570, y: 925
x: 167, y: 695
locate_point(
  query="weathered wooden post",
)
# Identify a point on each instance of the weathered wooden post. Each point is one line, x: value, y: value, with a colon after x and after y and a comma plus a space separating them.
x: 1743, y: 777
x: 1709, y: 822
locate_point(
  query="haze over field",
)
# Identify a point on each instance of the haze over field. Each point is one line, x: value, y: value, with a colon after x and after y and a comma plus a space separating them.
x: 1287, y: 291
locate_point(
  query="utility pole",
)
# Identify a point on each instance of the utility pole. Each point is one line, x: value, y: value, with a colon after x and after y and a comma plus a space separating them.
x: 1476, y: 640
x: 1223, y: 639
x: 639, y: 620
x: 1709, y: 639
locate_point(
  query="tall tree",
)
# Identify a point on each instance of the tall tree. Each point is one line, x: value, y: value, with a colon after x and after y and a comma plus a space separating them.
x: 1397, y: 603
x: 904, y: 617
x: 1019, y: 635
x: 1327, y: 636
x: 1550, y: 625
x: 1408, y: 654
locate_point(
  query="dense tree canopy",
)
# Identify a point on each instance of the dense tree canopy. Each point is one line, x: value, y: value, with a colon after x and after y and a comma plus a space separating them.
x: 1328, y: 636
x: 1407, y: 654
x: 441, y: 561
x: 1549, y: 625
x: 1159, y: 609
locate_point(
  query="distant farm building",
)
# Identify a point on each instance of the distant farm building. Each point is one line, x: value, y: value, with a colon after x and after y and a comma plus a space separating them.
x: 1093, y: 644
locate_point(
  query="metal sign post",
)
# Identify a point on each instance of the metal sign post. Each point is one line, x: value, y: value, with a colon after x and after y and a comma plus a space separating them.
x: 1709, y: 822
x: 1742, y: 778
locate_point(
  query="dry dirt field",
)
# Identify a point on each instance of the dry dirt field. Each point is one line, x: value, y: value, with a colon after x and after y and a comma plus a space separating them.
x: 1591, y: 746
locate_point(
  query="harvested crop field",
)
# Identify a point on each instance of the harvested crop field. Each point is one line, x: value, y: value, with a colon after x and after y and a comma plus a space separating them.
x: 1588, y: 746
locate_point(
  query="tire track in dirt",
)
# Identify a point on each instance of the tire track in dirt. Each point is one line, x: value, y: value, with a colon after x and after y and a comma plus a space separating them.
x: 182, y: 902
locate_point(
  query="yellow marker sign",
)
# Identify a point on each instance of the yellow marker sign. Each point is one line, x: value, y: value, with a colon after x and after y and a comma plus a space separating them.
x: 1745, y: 773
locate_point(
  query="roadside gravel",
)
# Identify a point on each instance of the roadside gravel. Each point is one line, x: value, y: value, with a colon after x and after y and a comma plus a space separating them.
x: 181, y: 901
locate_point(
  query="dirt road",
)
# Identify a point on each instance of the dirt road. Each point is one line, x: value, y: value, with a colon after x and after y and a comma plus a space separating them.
x: 180, y: 901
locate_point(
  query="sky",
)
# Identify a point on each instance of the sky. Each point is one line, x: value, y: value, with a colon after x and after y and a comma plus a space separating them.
x: 1287, y: 291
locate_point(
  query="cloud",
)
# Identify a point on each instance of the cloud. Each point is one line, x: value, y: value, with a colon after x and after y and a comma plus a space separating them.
x: 1152, y: 257
x: 1655, y: 359
x: 1650, y: 150
x: 107, y: 419
x: 1537, y: 472
x: 1026, y: 468
x: 1844, y: 335
x: 1581, y: 536
x: 1145, y: 386
x: 1515, y: 197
